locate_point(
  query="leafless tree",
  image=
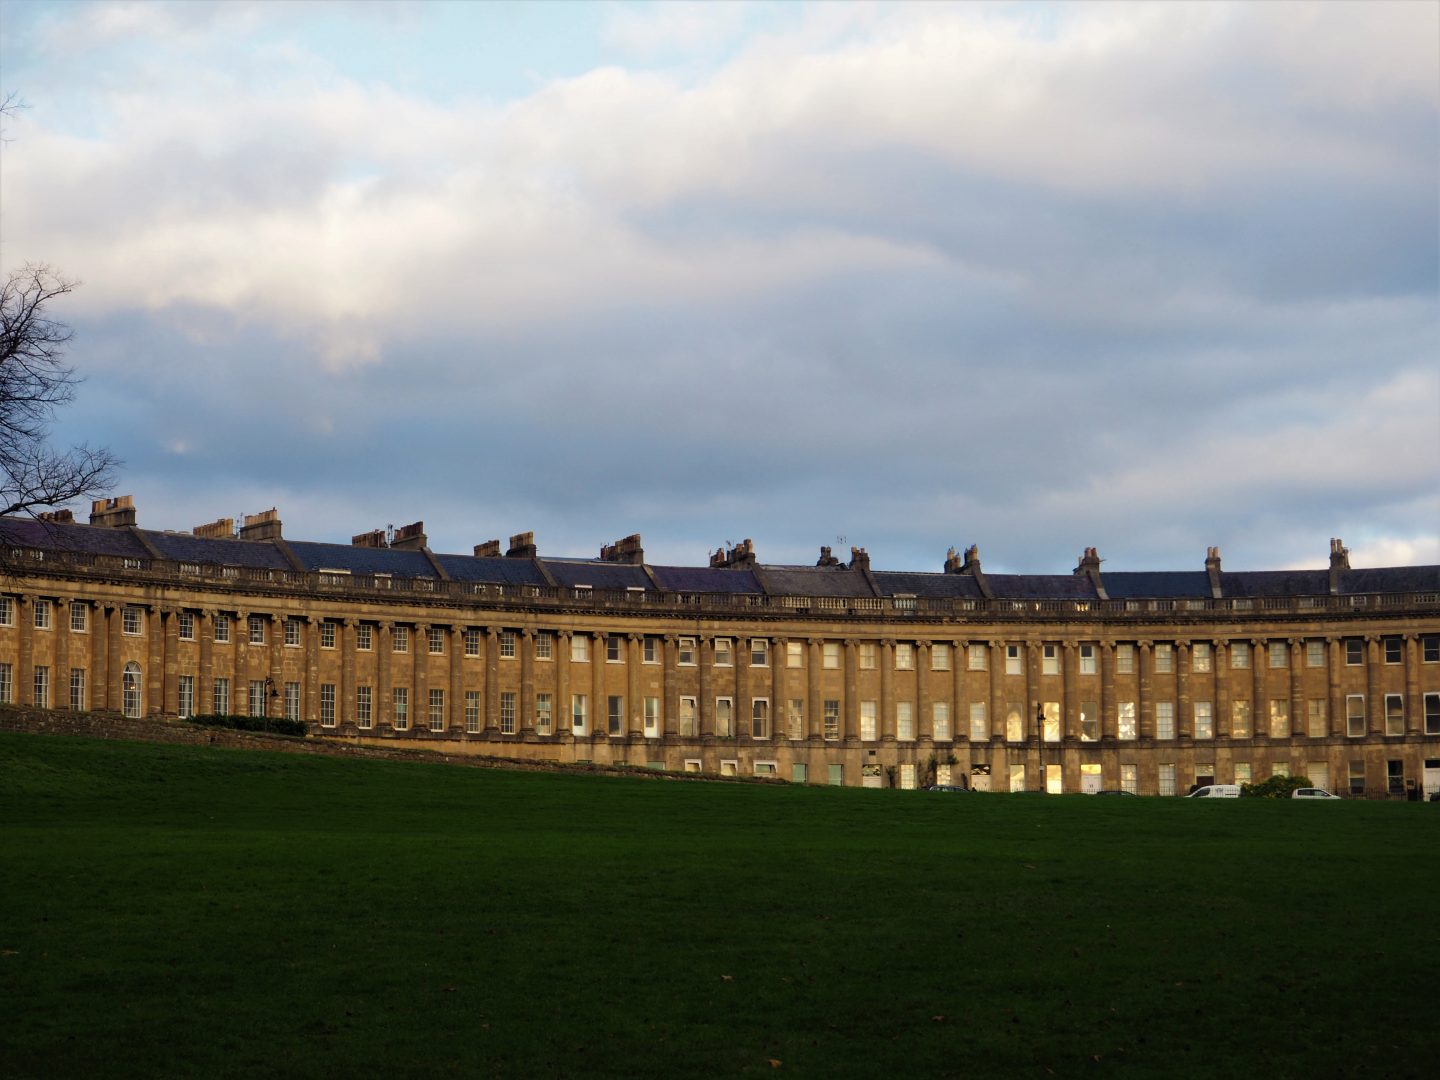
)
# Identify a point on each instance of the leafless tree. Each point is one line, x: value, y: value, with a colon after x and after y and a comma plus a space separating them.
x: 35, y: 381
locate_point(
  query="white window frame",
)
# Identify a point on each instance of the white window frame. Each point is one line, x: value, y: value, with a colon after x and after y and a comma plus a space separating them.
x: 904, y: 656
x: 759, y: 652
x: 255, y: 625
x: 759, y: 718
x: 724, y: 651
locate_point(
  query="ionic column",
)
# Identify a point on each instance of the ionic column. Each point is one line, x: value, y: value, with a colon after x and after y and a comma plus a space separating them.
x: 815, y: 707
x: 887, y: 690
x: 61, y: 699
x: 205, y: 682
x: 1414, y: 703
x: 599, y: 713
x: 780, y: 703
x: 995, y: 662
x: 564, y: 717
x: 742, y: 686
x: 1220, y: 658
x: 170, y: 663
x: 1374, y: 696
x: 1069, y: 669
x: 310, y: 685
x: 492, y: 681
x: 1337, y: 696
x: 925, y: 722
x: 384, y: 686
x: 1298, y: 719
x: 633, y: 702
x: 1109, y: 713
x: 527, y: 681
x: 420, y: 708
x: 1033, y: 693
x: 1145, y: 661
x: 347, y: 672
x: 1184, y: 719
x: 705, y: 706
x: 1259, y: 698
x: 671, y: 679
x: 114, y: 664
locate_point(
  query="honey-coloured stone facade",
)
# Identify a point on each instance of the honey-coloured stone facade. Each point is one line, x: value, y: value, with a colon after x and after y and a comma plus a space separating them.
x: 836, y: 673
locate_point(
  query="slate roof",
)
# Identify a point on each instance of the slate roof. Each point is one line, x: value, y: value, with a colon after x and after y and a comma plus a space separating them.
x: 362, y: 560
x: 778, y: 581
x: 598, y: 575
x: 703, y: 579
x: 253, y: 553
x: 1180, y: 584
x: 494, y: 570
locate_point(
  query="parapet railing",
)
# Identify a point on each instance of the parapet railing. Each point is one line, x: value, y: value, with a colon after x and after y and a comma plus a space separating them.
x: 343, y: 585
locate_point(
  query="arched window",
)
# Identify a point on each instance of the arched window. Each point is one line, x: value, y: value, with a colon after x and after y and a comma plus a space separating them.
x: 130, y: 684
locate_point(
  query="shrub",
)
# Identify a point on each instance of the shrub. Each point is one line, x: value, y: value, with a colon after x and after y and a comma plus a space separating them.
x: 1277, y: 787
x: 274, y: 725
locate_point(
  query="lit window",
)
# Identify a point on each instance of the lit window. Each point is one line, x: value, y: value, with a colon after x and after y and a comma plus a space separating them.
x: 724, y: 717
x: 1204, y: 720
x: 976, y: 656
x: 904, y: 656
x: 1165, y: 720
x: 1164, y: 658
x: 794, y: 654
x: 1240, y: 719
x: 1239, y: 654
x: 1125, y: 720
x: 979, y: 722
x: 1089, y: 721
x: 796, y: 718
x: 1279, y: 718
x: 1130, y: 778
x: 1242, y: 772
x: 1052, y: 721
x: 1167, y: 778
x: 940, y: 721
x: 1279, y: 654
x: 868, y: 728
x: 688, y: 725
x: 1200, y: 658
x: 905, y: 721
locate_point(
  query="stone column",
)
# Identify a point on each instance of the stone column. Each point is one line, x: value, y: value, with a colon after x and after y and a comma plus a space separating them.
x: 599, y: 714
x: 346, y: 704
x: 925, y: 721
x: 1374, y: 695
x: 420, y: 687
x: 1220, y: 658
x: 1337, y: 695
x: 1109, y: 711
x: 705, y: 705
x: 62, y: 656
x: 1034, y: 695
x: 384, y: 704
x: 1414, y: 702
x: 1069, y: 668
x: 1184, y: 706
x: 887, y: 690
x: 671, y: 680
x: 995, y: 663
x: 205, y: 682
x: 1259, y: 698
x: 114, y: 663
x: 815, y: 706
x: 742, y: 686
x: 780, y: 703
x: 1145, y: 662
x: 310, y: 683
x: 25, y: 669
x: 171, y: 663
x: 492, y: 681
x: 564, y: 717
x: 635, y: 707
x: 526, y: 644
x: 1298, y: 719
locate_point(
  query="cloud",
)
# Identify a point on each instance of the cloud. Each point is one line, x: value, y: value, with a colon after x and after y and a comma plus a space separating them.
x: 1148, y: 277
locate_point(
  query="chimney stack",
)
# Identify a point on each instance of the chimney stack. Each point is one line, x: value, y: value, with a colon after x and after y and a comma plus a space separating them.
x: 522, y: 546
x: 261, y: 526
x: 490, y: 549
x: 1212, y: 570
x: 625, y: 550
x: 410, y: 537
x: 1339, y: 563
x: 113, y: 513
x: 375, y: 538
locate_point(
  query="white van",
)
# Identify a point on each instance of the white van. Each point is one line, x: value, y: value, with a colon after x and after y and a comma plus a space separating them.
x: 1216, y: 791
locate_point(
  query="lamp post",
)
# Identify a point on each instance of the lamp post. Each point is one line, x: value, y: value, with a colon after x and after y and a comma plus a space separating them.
x: 1040, y: 742
x: 271, y: 695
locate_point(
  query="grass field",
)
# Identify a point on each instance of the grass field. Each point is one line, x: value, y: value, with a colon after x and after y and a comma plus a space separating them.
x: 174, y: 911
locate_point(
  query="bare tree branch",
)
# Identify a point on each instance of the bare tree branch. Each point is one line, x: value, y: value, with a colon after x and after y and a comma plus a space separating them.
x: 35, y: 380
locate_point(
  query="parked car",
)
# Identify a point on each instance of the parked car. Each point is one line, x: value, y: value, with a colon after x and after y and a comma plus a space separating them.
x: 1312, y: 793
x: 1114, y: 791
x: 947, y: 787
x: 1216, y: 791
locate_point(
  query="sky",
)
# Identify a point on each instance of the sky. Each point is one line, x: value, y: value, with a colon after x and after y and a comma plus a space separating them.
x: 1148, y: 278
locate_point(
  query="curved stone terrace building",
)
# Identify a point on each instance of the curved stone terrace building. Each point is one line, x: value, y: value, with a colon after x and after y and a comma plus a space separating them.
x: 835, y: 673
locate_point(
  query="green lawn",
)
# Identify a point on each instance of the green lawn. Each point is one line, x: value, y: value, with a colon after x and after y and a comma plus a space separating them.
x: 173, y: 911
